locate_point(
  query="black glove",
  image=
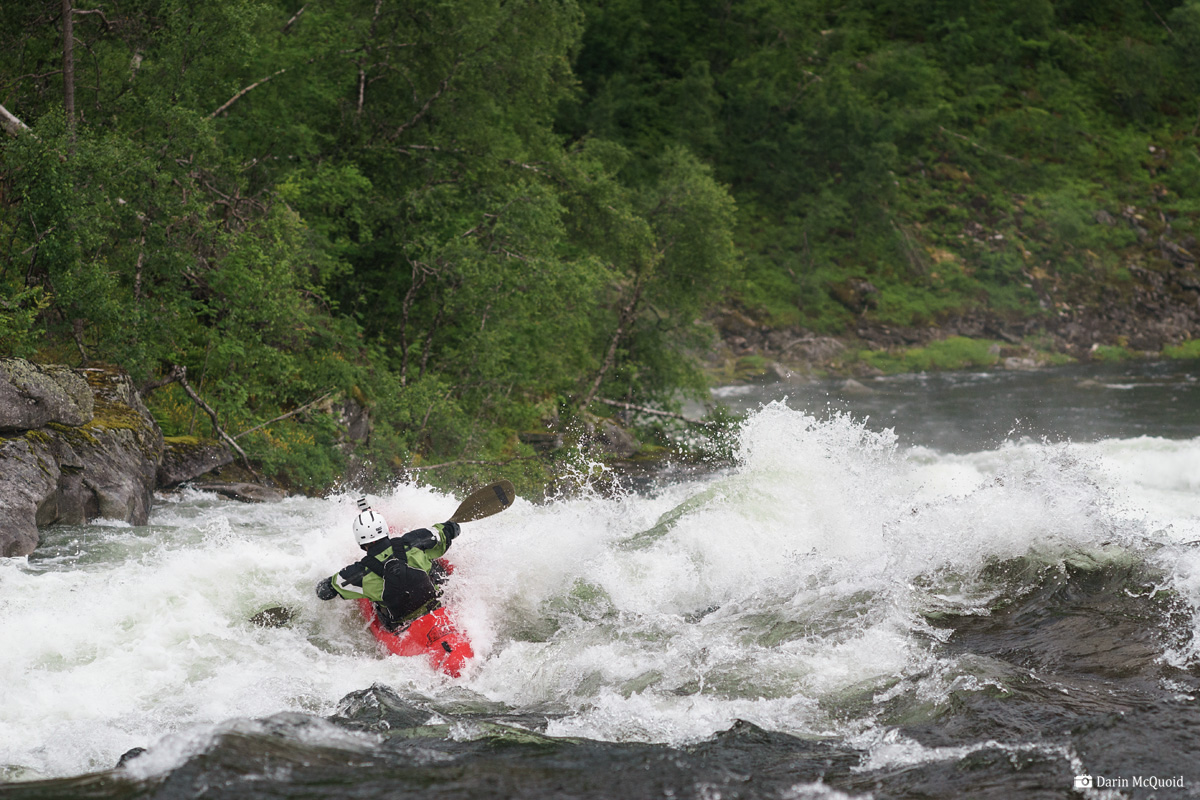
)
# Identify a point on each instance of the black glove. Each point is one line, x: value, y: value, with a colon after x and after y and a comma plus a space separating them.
x: 325, y: 589
x: 421, y: 538
x: 451, y: 529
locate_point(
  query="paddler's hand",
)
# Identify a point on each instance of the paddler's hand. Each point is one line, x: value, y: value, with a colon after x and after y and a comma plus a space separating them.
x: 325, y: 589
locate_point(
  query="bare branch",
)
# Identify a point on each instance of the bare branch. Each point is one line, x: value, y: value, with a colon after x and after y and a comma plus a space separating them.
x: 1160, y: 19
x: 976, y: 144
x: 654, y: 411
x: 624, y: 320
x: 150, y: 386
x: 459, y: 461
x: 282, y: 417
x: 442, y: 87
x: 84, y: 11
x: 179, y: 374
x: 292, y: 21
x: 77, y: 332
x: 242, y: 93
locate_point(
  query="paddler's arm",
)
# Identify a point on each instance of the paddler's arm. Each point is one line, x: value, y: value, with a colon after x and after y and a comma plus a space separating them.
x: 434, y: 542
x: 352, y: 582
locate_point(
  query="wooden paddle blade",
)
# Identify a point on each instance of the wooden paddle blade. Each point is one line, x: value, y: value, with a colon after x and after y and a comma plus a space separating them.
x: 485, y: 502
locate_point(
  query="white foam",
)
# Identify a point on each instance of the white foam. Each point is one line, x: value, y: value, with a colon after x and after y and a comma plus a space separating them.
x: 767, y: 592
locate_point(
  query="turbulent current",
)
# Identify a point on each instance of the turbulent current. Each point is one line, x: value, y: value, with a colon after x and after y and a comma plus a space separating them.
x: 838, y: 614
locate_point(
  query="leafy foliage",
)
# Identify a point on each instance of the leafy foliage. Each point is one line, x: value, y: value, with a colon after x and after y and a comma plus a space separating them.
x: 349, y: 197
x: 475, y: 216
x: 956, y: 155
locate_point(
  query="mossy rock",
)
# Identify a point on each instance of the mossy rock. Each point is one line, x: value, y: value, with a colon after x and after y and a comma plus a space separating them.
x: 186, y: 458
x: 33, y: 395
x: 70, y: 474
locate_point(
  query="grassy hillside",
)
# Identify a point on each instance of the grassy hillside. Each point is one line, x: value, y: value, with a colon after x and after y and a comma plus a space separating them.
x: 908, y: 163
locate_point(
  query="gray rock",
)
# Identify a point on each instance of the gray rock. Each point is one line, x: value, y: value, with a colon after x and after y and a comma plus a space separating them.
x: 616, y: 440
x: 355, y: 419
x: 121, y: 455
x: 71, y: 503
x: 853, y: 387
x: 243, y: 492
x: 33, y: 396
x: 856, y: 294
x: 814, y: 348
x: 1019, y: 364
x: 186, y: 459
x: 68, y: 474
x: 30, y: 477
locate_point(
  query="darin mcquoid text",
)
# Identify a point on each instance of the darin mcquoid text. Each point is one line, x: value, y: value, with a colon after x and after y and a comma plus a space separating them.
x: 1136, y: 782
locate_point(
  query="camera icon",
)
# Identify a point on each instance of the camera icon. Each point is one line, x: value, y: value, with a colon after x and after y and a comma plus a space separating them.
x: 1083, y: 782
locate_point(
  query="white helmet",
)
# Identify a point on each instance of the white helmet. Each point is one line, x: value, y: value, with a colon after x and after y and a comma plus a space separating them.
x: 369, y: 526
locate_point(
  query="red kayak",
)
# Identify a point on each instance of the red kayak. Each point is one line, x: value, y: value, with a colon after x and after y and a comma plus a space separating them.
x: 433, y: 635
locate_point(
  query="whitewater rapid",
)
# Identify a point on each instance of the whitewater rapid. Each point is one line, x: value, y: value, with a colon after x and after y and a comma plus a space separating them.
x: 767, y: 591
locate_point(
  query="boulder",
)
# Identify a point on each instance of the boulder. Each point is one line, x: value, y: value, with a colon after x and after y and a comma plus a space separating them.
x: 32, y: 396
x: 119, y: 449
x: 355, y: 419
x: 615, y: 440
x: 30, y: 477
x: 74, y: 473
x: 1018, y: 363
x: 243, y: 492
x: 853, y: 387
x: 856, y: 294
x: 186, y: 458
x: 353, y: 416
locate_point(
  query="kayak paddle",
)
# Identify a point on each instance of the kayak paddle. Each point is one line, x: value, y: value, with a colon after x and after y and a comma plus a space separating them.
x: 485, y: 502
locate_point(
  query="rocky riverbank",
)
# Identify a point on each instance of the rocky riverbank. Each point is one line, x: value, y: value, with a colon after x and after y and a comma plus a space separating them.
x: 1154, y: 314
x: 78, y: 445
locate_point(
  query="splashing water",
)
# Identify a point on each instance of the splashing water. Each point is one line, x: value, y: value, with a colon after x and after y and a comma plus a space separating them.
x: 802, y: 590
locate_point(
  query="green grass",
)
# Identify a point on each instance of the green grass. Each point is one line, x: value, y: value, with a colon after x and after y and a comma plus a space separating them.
x: 1189, y: 349
x: 1112, y: 353
x: 956, y: 352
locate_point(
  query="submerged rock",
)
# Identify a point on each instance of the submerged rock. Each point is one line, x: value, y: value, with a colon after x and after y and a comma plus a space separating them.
x: 853, y: 387
x: 130, y: 755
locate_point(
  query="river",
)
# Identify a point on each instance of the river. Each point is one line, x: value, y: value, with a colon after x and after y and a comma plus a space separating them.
x: 967, y: 584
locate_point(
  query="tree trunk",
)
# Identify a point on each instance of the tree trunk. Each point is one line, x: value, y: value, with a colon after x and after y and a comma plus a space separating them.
x: 610, y: 358
x: 69, y: 65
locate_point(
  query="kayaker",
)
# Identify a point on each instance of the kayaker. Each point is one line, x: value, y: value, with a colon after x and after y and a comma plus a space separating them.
x: 401, y: 576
